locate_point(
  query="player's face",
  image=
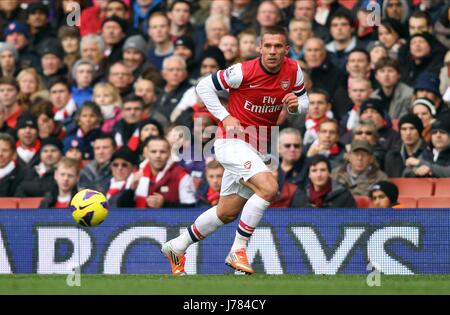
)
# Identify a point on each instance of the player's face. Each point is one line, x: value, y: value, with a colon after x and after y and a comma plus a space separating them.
x: 319, y: 174
x: 380, y: 200
x: 273, y: 49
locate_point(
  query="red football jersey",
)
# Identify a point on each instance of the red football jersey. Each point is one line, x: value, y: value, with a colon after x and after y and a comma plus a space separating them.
x: 255, y: 96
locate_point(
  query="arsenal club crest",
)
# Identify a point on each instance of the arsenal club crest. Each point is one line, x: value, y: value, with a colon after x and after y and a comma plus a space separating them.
x: 285, y: 84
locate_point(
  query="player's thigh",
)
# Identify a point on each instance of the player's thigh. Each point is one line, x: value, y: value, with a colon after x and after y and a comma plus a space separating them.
x: 229, y: 207
x: 263, y: 184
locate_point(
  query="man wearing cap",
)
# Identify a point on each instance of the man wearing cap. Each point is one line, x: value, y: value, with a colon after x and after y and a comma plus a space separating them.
x: 123, y: 164
x: 9, y: 101
x: 427, y: 86
x: 28, y: 143
x: 134, y: 54
x: 38, y: 23
x: 40, y: 178
x: 10, y: 11
x: 384, y: 194
x: 11, y: 173
x: 412, y: 145
x: 435, y: 160
x: 360, y: 172
x: 52, y: 64
x: 16, y: 34
x: 185, y: 48
x: 114, y: 33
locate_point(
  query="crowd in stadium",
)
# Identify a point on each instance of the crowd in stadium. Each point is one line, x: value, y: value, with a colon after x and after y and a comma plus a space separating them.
x: 99, y: 100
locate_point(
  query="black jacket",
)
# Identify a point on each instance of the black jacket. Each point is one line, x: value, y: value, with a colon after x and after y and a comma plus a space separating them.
x: 168, y: 101
x: 51, y: 197
x: 394, y: 163
x: 35, y: 186
x: 9, y: 183
x: 339, y: 197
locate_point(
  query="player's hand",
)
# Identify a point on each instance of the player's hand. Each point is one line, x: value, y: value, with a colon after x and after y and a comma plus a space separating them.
x: 232, y: 125
x: 155, y: 201
x: 135, y: 179
x: 291, y: 102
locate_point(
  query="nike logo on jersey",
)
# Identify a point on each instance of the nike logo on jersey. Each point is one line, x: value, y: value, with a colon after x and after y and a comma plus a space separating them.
x: 254, y: 86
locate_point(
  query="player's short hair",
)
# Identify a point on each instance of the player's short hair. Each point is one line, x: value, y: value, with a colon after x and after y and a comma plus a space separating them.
x: 69, y: 163
x: 387, y: 62
x: 276, y: 30
x: 214, y: 164
x: 320, y: 91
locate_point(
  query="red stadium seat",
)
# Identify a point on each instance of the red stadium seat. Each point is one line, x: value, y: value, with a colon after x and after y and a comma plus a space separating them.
x: 363, y: 201
x: 30, y: 203
x: 433, y: 202
x: 442, y: 187
x: 8, y: 203
x: 414, y: 187
x: 407, y: 202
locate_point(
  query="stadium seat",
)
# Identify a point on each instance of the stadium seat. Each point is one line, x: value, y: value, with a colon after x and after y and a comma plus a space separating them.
x: 414, y: 187
x: 363, y: 201
x: 407, y: 202
x: 433, y: 202
x: 30, y: 203
x: 8, y: 203
x: 442, y: 187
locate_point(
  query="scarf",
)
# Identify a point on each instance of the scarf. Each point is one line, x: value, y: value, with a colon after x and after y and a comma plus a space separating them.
x: 212, y: 196
x: 317, y: 197
x: 108, y: 111
x: 332, y: 151
x: 435, y: 155
x: 312, y: 127
x: 26, y: 154
x: 353, y: 118
x: 40, y: 169
x: 148, y: 178
x: 117, y: 186
x: 67, y: 111
x: 8, y: 169
x: 62, y: 202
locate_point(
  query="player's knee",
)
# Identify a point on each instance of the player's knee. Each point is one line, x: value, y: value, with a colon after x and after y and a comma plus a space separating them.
x: 226, y: 218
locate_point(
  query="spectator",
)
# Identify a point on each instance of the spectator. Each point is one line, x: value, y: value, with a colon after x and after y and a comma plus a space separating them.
x: 422, y: 57
x: 147, y: 90
x: 208, y: 191
x: 216, y: 26
x: 107, y: 97
x: 9, y: 100
x: 148, y: 128
x: 39, y: 26
x: 11, y: 173
x: 292, y: 166
x: 396, y: 9
x: 69, y: 37
x: 247, y: 44
x: 83, y: 76
x: 384, y: 194
x: 442, y: 27
x: 211, y: 60
x: 39, y: 179
x: 420, y: 22
x: 88, y: 119
x: 30, y: 83
x: 435, y: 160
x: 327, y: 143
x: 179, y: 14
x: 343, y: 40
x: 359, y: 91
x: 92, y: 48
x: 425, y: 109
x: 164, y: 183
x: 123, y: 165
x: 52, y: 65
x: 366, y: 32
x: 142, y: 10
x: 175, y: 74
x: 392, y: 91
x: 28, y: 143
x: 113, y: 33
x: 96, y: 174
x: 286, y: 192
x: 117, y: 8
x: 267, y: 15
x: 134, y: 54
x: 321, y: 190
x: 299, y: 31
x: 126, y: 130
x: 412, y: 145
x: 47, y: 125
x: 17, y: 34
x: 92, y: 18
x: 185, y: 48
x: 67, y: 174
x: 229, y: 45
x: 367, y: 130
x: 444, y: 77
x: 121, y: 77
x: 360, y: 172
x: 319, y: 109
x: 9, y: 58
x: 308, y: 9
x: 427, y: 86
x: 63, y: 104
x: 377, y: 51
x: 391, y: 34
x: 244, y: 12
x: 10, y: 11
x: 159, y: 33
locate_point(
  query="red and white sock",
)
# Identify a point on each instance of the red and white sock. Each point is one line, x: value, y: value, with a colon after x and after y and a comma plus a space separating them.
x: 251, y: 215
x: 206, y: 224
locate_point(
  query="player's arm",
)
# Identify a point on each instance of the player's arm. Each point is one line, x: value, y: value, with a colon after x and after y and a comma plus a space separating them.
x: 208, y: 87
x: 297, y: 100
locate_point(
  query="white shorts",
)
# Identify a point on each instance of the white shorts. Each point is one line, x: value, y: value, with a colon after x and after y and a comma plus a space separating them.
x: 240, y: 160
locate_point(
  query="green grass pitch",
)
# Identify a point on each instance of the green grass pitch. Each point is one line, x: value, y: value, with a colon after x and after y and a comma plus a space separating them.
x: 224, y: 284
